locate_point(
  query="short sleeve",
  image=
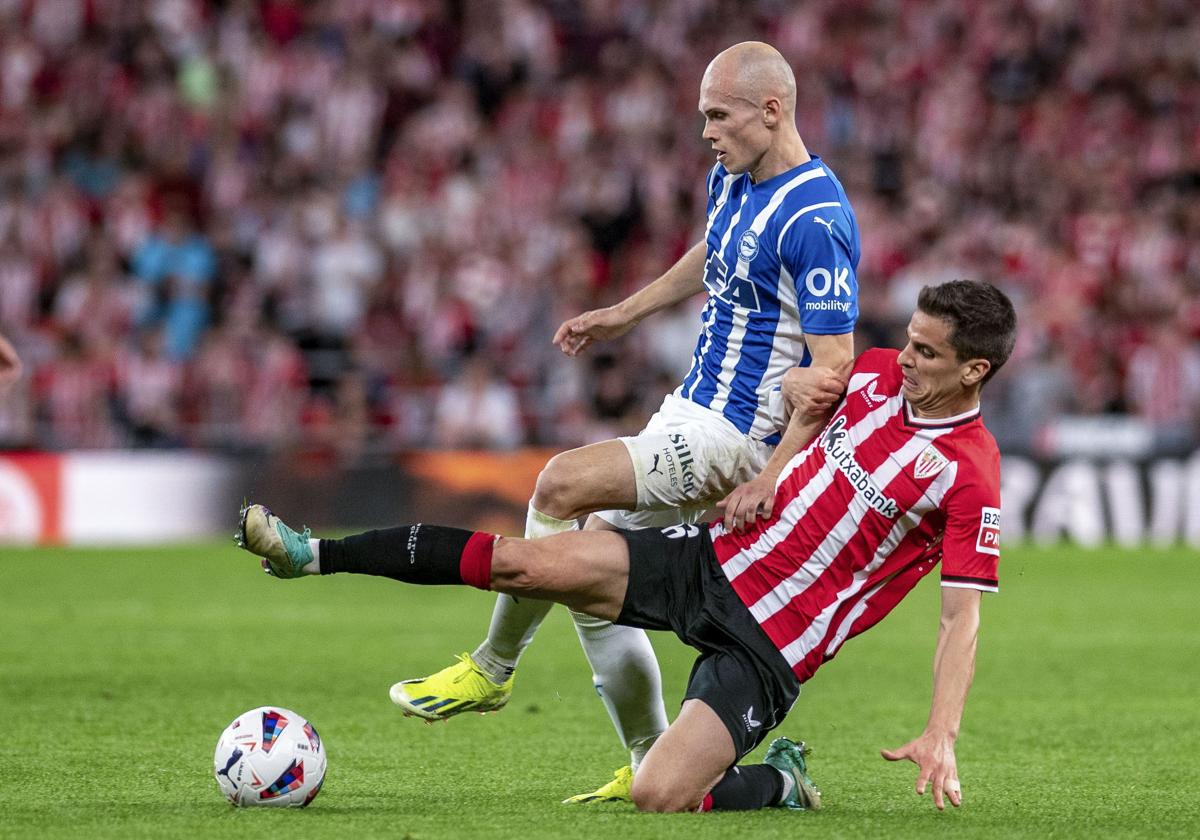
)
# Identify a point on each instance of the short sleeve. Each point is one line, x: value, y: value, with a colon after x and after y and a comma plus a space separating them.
x: 815, y: 249
x: 971, y: 543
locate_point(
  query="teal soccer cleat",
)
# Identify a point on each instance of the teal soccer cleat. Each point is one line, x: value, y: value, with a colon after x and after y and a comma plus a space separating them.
x: 788, y: 757
x: 284, y: 553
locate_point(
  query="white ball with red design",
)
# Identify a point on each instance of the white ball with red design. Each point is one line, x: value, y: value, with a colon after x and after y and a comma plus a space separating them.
x: 270, y: 756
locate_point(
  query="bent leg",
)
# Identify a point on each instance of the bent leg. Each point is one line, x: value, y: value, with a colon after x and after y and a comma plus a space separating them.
x: 514, y: 622
x: 570, y: 485
x: 691, y: 768
x: 626, y: 676
x: 595, y: 477
x: 686, y: 762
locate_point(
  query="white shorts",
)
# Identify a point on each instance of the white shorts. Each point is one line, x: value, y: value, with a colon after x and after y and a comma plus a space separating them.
x: 686, y: 460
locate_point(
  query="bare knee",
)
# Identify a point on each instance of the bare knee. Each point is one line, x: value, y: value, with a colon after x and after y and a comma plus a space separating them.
x: 651, y: 794
x: 558, y: 492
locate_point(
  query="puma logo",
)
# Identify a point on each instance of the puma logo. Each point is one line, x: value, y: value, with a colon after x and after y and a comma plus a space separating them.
x: 654, y: 469
x: 821, y: 221
x: 233, y: 759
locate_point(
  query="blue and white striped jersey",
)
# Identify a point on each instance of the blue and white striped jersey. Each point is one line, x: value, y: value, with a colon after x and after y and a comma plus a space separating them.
x: 782, y: 261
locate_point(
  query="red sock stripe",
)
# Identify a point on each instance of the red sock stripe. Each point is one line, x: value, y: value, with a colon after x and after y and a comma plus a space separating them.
x: 705, y: 803
x: 475, y: 565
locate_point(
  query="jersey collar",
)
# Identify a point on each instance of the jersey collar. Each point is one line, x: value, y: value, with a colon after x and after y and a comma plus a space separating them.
x: 939, y: 422
x: 783, y: 177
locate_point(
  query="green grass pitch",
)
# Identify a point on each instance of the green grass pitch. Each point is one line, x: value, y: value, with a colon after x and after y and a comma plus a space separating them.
x: 118, y: 669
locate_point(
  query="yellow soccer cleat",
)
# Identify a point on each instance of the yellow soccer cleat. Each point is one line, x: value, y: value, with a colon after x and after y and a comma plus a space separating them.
x: 463, y: 687
x: 618, y: 790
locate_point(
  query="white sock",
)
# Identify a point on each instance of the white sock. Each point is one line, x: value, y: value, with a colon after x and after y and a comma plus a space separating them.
x: 515, y: 621
x: 625, y: 673
x: 789, y: 784
x: 314, y: 566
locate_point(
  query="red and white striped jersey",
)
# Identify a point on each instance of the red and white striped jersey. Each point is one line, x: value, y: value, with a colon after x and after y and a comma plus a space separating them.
x: 862, y: 513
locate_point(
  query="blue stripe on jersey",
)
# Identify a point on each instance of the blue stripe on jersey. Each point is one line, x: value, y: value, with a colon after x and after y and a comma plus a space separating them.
x: 706, y: 315
x: 705, y: 388
x: 752, y: 250
x: 752, y: 366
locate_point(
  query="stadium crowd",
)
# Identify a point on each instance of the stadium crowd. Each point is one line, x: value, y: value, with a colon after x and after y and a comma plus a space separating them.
x: 353, y: 225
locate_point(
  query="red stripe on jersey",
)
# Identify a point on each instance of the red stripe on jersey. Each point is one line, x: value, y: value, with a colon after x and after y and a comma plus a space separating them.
x: 819, y: 612
x: 865, y: 613
x: 850, y: 525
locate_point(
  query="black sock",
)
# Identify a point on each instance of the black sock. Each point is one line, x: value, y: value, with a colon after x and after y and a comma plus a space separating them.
x: 746, y: 789
x: 421, y: 554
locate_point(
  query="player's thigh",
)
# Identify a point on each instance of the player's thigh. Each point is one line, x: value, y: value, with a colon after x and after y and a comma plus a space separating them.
x: 686, y: 458
x: 749, y: 699
x: 586, y: 570
x: 580, y: 481
x: 686, y: 762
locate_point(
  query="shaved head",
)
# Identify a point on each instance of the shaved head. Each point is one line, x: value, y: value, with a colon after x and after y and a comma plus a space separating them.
x: 754, y: 71
x: 748, y: 99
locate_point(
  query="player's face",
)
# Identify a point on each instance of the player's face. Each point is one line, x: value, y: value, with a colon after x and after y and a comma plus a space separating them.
x: 732, y: 124
x: 936, y: 383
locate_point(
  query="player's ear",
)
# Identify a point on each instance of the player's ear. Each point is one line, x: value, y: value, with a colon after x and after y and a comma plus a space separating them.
x: 772, y: 110
x: 974, y: 371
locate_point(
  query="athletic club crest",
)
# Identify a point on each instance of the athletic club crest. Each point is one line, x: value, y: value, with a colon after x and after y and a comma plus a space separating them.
x: 930, y: 463
x: 748, y: 245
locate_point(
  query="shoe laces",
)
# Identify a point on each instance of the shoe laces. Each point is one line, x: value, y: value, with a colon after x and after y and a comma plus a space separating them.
x: 470, y: 670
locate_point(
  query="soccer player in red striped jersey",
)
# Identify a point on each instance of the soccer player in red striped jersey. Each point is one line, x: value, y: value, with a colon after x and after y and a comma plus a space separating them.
x: 901, y: 478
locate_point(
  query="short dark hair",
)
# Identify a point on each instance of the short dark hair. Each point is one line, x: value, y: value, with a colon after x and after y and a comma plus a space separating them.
x: 982, y: 320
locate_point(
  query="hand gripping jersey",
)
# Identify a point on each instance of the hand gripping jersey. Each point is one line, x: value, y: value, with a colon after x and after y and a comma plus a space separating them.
x: 862, y: 513
x: 782, y: 257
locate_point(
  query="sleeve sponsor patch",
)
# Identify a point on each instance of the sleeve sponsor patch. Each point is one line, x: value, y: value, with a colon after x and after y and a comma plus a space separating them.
x: 988, y: 541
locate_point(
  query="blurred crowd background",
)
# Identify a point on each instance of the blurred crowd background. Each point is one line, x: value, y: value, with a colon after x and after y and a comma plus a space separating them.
x: 352, y: 226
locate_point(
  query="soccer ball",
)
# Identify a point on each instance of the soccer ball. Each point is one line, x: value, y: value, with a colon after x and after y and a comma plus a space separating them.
x: 269, y: 756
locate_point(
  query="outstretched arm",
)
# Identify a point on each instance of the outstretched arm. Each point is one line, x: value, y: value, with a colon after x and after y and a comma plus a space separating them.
x: 811, y: 392
x: 679, y: 282
x: 953, y: 668
x: 10, y: 363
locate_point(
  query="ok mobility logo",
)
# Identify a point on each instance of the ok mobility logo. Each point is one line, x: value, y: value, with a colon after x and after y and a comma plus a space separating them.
x: 834, y: 442
x: 828, y: 290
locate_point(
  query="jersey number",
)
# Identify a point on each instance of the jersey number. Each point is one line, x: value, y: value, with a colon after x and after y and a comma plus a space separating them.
x: 740, y: 292
x: 679, y: 532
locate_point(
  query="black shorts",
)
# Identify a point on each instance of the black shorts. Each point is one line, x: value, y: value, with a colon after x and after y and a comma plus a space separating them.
x: 675, y: 583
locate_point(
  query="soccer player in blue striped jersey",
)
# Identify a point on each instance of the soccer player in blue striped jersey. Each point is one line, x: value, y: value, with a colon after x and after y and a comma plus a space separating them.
x: 778, y: 262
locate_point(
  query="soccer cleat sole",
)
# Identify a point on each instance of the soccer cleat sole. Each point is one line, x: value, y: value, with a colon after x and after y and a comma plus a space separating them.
x: 812, y: 793
x: 240, y: 539
x: 594, y: 800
